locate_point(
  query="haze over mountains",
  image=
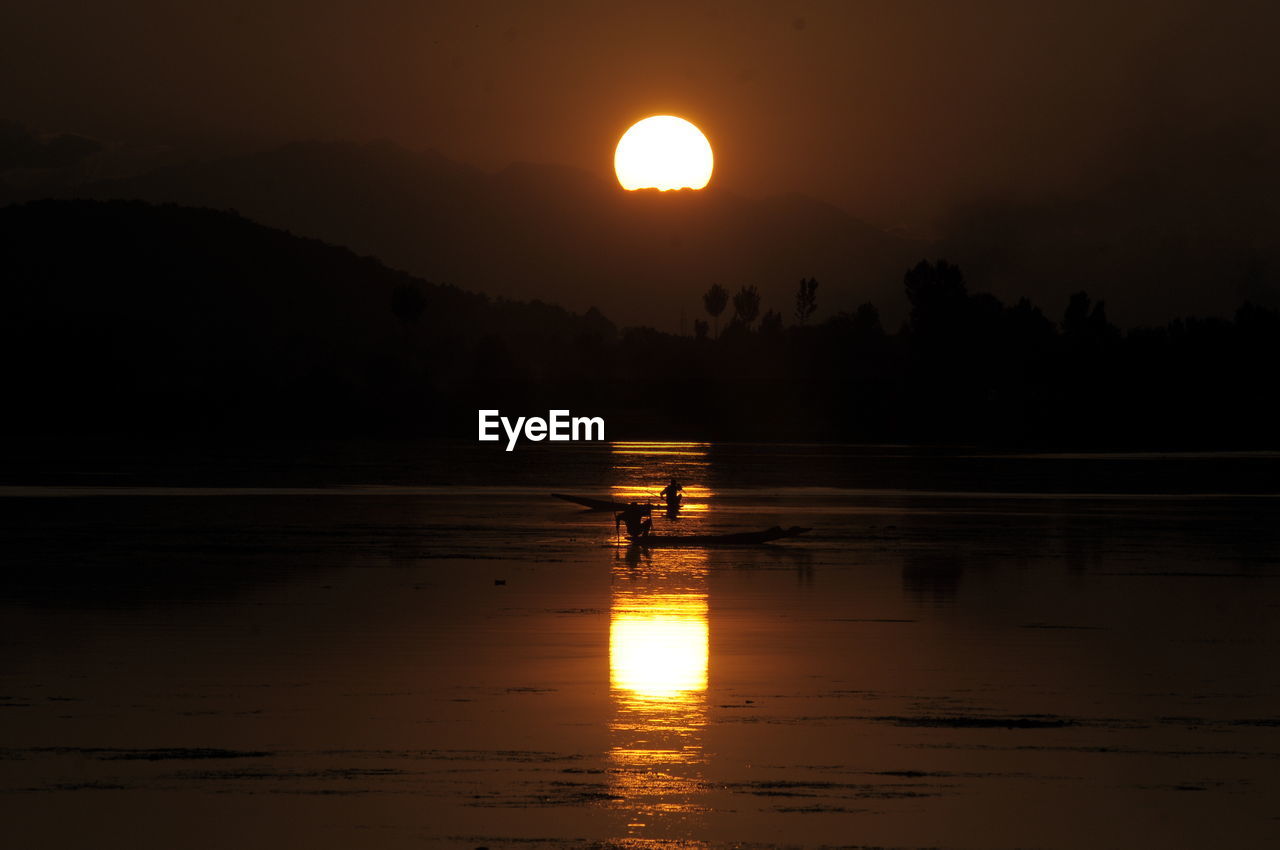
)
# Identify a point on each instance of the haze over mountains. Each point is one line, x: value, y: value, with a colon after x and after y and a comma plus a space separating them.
x: 538, y: 231
x: 1154, y: 243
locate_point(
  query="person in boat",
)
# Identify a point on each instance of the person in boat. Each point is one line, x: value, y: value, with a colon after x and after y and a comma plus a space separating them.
x: 672, y: 492
x: 638, y: 520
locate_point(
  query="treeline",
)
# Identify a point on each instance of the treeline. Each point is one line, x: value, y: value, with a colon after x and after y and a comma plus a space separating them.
x: 126, y: 318
x: 965, y: 367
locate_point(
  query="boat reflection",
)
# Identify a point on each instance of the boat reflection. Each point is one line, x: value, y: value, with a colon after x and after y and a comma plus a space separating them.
x: 659, y: 650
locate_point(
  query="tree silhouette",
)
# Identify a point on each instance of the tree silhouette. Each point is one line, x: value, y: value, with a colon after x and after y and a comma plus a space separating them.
x: 1085, y: 323
x: 938, y: 296
x: 700, y: 329
x: 746, y: 305
x: 715, y: 300
x: 806, y: 299
x: 771, y: 323
x: 866, y: 321
x: 1076, y: 318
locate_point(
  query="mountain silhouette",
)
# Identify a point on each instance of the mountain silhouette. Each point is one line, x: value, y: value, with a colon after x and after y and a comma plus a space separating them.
x: 541, y: 231
x: 126, y: 316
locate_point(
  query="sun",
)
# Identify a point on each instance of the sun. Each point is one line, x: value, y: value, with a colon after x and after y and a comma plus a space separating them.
x: 663, y: 152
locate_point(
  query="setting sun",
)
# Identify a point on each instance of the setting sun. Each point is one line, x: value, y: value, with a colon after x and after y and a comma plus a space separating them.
x: 663, y: 152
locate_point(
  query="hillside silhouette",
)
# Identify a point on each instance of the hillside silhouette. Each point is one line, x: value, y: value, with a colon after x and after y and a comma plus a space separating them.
x: 551, y: 232
x: 128, y: 318
x: 1183, y: 226
x: 123, y: 316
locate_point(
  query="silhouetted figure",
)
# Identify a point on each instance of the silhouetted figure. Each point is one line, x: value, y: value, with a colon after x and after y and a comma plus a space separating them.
x: 671, y: 494
x: 637, y: 519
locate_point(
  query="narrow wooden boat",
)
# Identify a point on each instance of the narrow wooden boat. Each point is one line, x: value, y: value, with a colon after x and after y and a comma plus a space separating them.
x: 593, y: 504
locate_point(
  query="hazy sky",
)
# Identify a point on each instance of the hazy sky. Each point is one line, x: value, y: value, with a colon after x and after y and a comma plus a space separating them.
x: 892, y: 109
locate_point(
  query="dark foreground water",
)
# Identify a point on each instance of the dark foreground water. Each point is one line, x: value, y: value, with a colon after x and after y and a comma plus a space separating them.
x: 415, y: 647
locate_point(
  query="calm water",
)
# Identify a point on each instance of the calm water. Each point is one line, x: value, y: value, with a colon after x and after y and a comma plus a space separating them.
x: 399, y: 646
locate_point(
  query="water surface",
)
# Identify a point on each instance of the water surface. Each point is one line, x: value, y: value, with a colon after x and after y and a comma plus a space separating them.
x: 391, y: 647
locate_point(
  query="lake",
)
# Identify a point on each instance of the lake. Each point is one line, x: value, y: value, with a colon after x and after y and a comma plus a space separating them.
x: 411, y: 644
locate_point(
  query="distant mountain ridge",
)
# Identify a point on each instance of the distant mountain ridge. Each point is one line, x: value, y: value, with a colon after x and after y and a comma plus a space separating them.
x: 125, y: 315
x: 1153, y: 240
x: 127, y: 318
x: 554, y: 233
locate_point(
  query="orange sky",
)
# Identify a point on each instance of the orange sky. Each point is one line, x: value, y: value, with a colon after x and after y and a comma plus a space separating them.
x: 894, y: 110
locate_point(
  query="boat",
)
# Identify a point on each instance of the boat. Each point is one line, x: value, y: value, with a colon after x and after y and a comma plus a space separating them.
x: 742, y: 538
x: 593, y: 504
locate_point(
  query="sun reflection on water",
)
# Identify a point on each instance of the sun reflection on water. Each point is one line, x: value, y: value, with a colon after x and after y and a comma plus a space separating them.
x: 660, y: 648
x: 642, y: 469
x: 694, y: 502
x: 649, y: 448
x: 659, y: 654
x: 659, y: 645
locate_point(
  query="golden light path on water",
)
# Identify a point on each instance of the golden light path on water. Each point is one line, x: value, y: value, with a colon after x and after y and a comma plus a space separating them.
x: 659, y: 645
x: 659, y: 661
x: 651, y: 449
x: 643, y: 469
x: 659, y: 657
